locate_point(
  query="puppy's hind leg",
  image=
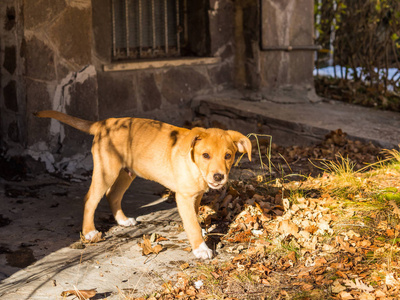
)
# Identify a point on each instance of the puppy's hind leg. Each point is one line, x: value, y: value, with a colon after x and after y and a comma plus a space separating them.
x: 114, y: 196
x: 101, y: 181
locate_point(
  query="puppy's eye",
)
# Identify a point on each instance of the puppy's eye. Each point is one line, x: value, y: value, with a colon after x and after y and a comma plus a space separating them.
x: 206, y: 155
x: 228, y: 156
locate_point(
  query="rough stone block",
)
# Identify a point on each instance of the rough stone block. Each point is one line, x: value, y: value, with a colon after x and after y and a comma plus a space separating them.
x: 13, y: 132
x: 221, y: 75
x: 102, y: 28
x: 40, y: 12
x: 37, y: 129
x: 10, y: 18
x: 181, y: 84
x: 221, y: 24
x: 286, y: 22
x: 39, y: 60
x: 71, y: 33
x: 117, y: 95
x: 83, y: 99
x: 82, y: 104
x: 10, y: 59
x: 10, y: 96
x: 150, y: 96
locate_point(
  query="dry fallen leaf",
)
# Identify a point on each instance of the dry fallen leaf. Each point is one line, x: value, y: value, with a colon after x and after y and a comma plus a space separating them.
x: 157, y: 248
x: 307, y: 287
x: 265, y: 281
x: 161, y: 238
x: 359, y: 285
x: 311, y: 229
x: 396, y: 209
x: 380, y: 294
x: 390, y: 280
x: 81, y: 294
x: 345, y: 296
x: 287, y: 227
x: 341, y: 274
x: 337, y: 287
x: 366, y: 296
x: 146, y: 246
x: 184, y: 266
x: 148, y: 249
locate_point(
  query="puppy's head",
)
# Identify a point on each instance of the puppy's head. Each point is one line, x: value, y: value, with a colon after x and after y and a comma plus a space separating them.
x: 213, y: 151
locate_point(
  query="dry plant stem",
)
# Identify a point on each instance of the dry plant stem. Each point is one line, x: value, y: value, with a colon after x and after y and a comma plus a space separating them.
x: 259, y: 151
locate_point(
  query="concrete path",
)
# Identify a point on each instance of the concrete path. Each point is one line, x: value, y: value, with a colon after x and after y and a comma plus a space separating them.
x: 44, y: 218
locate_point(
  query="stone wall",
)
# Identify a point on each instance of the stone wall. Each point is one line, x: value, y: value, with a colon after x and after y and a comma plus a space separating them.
x: 53, y: 56
x: 58, y: 49
x: 44, y: 47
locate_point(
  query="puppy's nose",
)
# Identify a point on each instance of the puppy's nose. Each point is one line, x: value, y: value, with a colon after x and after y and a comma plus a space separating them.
x: 218, y: 177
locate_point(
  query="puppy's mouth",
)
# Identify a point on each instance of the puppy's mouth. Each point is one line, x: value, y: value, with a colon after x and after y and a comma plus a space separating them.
x: 215, y: 186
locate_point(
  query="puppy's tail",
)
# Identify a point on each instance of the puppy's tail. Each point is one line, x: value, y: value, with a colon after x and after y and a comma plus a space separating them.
x: 82, y: 125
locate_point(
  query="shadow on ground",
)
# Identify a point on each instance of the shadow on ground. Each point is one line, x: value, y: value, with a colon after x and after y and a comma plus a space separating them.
x: 40, y: 252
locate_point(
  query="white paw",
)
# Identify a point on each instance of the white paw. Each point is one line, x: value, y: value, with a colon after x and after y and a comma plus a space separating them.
x: 203, y: 252
x: 89, y: 236
x: 127, y: 222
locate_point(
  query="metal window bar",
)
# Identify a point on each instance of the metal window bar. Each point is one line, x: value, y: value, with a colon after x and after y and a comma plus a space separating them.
x: 114, y: 39
x: 185, y: 21
x: 140, y: 29
x: 153, y: 27
x: 178, y: 28
x: 150, y: 28
x: 127, y: 26
x: 166, y: 26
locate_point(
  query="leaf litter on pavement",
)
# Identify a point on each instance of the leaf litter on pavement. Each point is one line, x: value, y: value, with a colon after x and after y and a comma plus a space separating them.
x: 333, y: 235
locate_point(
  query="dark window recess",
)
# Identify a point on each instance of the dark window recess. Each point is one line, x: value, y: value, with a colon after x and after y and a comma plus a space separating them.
x: 146, y: 29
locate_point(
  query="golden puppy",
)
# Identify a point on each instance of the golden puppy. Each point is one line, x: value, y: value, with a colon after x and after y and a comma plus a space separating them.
x: 187, y: 162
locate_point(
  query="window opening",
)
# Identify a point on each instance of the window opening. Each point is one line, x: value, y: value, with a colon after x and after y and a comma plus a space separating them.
x: 148, y: 28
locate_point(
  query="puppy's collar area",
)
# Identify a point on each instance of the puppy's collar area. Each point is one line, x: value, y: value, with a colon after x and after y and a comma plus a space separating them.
x: 127, y: 170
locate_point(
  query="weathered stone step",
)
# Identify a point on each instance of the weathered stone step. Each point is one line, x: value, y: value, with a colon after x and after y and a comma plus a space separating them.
x: 300, y: 122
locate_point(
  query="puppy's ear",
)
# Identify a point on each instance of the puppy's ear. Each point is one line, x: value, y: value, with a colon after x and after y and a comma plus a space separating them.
x: 189, y: 141
x: 242, y: 142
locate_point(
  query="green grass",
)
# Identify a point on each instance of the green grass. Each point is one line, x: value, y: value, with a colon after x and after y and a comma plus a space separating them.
x: 390, y: 194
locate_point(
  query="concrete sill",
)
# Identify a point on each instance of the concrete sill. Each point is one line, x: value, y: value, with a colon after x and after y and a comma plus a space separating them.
x: 155, y: 64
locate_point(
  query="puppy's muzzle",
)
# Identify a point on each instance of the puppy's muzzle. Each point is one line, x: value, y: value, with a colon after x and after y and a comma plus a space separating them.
x: 217, y: 181
x: 218, y: 177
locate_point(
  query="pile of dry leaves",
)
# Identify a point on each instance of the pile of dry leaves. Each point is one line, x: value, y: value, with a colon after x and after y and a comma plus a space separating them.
x: 306, y: 160
x: 301, y: 247
x: 274, y: 248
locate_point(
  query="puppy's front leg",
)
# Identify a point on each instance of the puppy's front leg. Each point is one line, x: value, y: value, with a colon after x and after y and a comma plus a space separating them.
x: 187, y: 210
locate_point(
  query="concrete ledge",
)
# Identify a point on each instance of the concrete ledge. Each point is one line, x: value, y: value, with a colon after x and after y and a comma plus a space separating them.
x: 155, y: 64
x: 300, y: 123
